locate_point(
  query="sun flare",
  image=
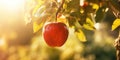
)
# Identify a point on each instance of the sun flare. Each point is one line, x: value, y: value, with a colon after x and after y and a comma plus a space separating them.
x: 11, y: 4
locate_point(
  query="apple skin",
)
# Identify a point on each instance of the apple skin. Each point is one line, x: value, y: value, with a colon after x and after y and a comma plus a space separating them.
x: 85, y: 4
x: 55, y: 34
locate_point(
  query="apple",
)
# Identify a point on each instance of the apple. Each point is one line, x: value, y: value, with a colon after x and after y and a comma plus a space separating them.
x: 55, y: 34
x: 84, y: 5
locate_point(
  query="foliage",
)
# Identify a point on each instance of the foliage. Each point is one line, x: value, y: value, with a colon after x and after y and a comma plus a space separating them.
x: 20, y: 38
x: 116, y: 23
x: 77, y: 13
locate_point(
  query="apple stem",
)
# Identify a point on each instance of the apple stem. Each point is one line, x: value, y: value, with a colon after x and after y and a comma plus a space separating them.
x: 59, y: 8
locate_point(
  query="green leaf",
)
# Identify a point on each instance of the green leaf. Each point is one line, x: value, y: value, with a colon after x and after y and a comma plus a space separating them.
x: 80, y: 35
x: 115, y: 24
x: 89, y: 24
x: 37, y: 27
x: 100, y: 13
x: 71, y: 5
x: 71, y: 21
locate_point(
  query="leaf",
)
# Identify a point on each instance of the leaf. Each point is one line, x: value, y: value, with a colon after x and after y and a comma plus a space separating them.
x: 38, y: 7
x: 40, y: 1
x: 100, y: 14
x: 80, y: 35
x: 64, y: 6
x: 62, y: 19
x: 71, y: 21
x: 95, y: 6
x: 37, y: 27
x: 38, y: 10
x: 89, y: 24
x: 45, y: 12
x: 115, y: 24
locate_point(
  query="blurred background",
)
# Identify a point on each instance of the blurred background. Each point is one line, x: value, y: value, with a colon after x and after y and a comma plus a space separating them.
x: 18, y: 41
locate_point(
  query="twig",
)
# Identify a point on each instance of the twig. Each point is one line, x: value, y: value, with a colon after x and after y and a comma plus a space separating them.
x: 117, y: 46
x: 59, y: 9
x: 116, y: 12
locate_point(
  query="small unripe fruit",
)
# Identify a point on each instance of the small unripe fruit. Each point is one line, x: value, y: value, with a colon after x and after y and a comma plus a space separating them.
x: 55, y: 34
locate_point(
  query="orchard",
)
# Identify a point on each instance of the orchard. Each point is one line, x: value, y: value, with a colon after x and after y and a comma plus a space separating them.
x: 59, y: 29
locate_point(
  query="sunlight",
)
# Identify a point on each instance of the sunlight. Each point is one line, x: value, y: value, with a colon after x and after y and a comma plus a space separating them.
x: 58, y: 1
x: 2, y: 42
x: 97, y: 26
x: 81, y: 2
x: 12, y: 9
x: 11, y: 4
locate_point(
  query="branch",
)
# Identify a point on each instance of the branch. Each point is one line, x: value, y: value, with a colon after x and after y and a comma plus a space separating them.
x: 114, y: 7
x: 117, y: 46
x: 116, y: 4
x: 59, y: 9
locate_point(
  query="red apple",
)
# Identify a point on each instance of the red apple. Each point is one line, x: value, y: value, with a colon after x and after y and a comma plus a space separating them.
x: 85, y: 4
x: 55, y: 34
